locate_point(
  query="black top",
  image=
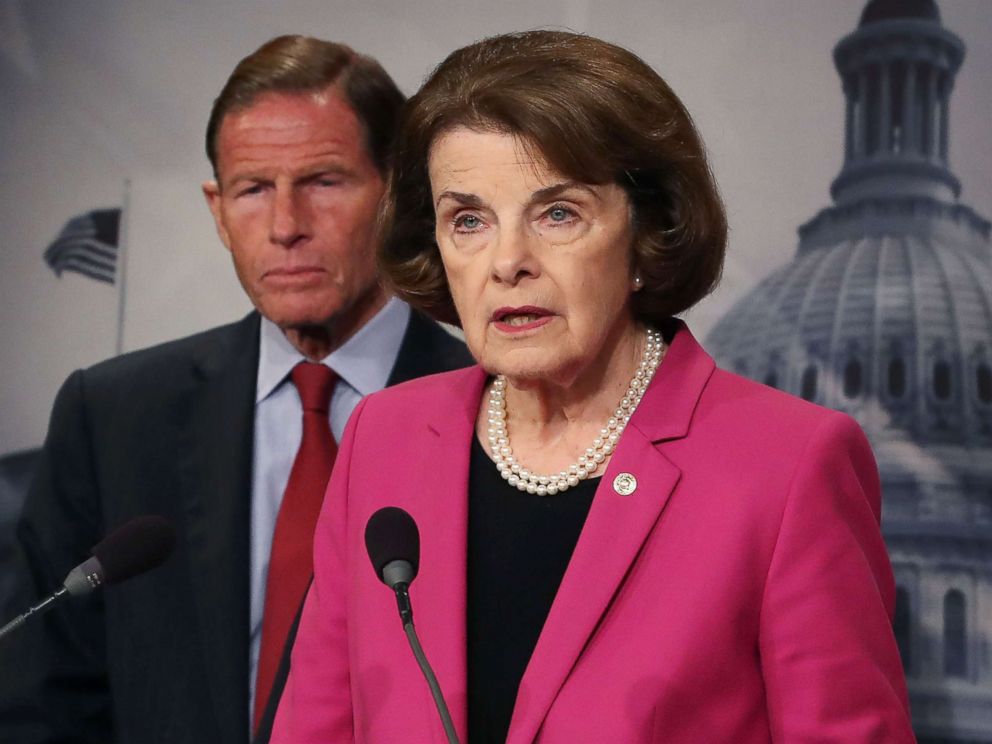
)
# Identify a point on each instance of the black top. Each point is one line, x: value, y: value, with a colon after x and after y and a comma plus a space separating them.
x: 518, y: 547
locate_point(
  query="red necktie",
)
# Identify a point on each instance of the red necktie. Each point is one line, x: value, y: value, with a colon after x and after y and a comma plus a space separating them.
x: 291, y: 559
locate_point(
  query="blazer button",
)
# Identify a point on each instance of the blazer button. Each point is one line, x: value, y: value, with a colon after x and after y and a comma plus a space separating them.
x: 625, y: 484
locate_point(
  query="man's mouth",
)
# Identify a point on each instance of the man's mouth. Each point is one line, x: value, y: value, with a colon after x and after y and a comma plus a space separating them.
x: 294, y: 278
x: 293, y: 271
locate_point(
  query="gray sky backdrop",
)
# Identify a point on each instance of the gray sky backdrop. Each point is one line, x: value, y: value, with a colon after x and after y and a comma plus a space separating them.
x: 97, y: 92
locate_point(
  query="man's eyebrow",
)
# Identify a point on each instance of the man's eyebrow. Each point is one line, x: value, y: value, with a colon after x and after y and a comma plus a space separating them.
x: 466, y: 200
x: 238, y: 177
x: 246, y: 176
x: 327, y: 168
x: 311, y: 173
x: 324, y: 170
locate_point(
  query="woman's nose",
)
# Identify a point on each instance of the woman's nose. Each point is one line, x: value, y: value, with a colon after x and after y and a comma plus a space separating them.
x: 513, y: 257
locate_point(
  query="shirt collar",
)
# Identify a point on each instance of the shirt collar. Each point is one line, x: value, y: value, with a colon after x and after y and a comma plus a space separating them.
x: 363, y: 362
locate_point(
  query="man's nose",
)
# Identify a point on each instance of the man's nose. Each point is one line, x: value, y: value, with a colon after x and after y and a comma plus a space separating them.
x: 290, y: 219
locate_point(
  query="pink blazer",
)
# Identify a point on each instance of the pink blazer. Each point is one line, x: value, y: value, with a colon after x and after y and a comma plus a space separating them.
x: 742, y: 593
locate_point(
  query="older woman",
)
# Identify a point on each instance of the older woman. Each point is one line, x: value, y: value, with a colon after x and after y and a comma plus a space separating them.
x: 621, y: 543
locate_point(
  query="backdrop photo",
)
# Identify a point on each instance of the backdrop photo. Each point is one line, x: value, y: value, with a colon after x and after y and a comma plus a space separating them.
x: 850, y: 140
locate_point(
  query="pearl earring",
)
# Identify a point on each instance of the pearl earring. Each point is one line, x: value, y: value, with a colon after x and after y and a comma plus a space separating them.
x: 638, y: 282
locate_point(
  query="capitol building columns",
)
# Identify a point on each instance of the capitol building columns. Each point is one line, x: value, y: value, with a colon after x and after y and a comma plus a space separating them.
x: 885, y: 313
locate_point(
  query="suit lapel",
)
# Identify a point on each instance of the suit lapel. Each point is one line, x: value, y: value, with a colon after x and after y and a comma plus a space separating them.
x: 215, y: 459
x: 614, y: 532
x: 427, y: 349
x: 443, y: 517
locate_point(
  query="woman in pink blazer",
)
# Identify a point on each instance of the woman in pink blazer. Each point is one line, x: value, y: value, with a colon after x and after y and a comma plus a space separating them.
x: 620, y: 542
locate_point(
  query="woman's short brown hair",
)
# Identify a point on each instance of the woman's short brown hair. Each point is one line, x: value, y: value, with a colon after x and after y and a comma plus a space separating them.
x: 595, y: 112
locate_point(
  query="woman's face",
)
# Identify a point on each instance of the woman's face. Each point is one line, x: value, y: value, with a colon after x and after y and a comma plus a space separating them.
x: 538, y: 264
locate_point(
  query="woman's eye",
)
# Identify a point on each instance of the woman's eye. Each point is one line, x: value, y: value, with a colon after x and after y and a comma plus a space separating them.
x: 468, y: 222
x: 560, y: 214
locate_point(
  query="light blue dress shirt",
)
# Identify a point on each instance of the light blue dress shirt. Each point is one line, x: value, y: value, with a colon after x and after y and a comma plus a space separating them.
x: 363, y: 365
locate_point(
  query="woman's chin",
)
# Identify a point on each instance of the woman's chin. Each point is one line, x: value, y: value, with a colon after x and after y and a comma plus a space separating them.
x: 527, y: 366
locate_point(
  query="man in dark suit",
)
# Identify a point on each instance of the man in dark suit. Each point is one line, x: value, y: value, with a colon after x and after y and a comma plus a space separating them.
x: 16, y: 473
x: 207, y: 430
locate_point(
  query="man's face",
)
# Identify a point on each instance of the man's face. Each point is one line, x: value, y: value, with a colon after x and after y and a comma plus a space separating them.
x: 295, y: 203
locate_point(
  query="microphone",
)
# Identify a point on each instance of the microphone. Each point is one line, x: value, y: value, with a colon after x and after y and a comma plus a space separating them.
x: 133, y: 548
x: 393, y: 544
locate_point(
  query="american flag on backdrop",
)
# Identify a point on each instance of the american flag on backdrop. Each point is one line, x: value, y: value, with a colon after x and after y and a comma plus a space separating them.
x: 87, y: 245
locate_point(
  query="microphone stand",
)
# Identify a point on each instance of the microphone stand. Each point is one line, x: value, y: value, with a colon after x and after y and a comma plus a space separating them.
x: 406, y: 615
x: 393, y: 544
x: 442, y: 708
x: 80, y: 581
x: 39, y: 609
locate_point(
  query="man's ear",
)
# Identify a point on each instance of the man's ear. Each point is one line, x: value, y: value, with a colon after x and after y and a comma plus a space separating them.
x: 211, y: 192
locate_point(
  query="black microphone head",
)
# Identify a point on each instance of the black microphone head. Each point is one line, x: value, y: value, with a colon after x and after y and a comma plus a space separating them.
x: 392, y: 535
x: 135, y: 547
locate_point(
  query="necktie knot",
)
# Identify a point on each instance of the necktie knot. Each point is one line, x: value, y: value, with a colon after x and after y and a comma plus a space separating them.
x: 315, y: 383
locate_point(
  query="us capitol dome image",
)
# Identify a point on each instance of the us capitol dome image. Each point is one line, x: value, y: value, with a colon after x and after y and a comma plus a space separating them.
x: 885, y: 313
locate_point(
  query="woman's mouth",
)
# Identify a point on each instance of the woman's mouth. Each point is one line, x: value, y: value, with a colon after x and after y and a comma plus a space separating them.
x: 518, y: 319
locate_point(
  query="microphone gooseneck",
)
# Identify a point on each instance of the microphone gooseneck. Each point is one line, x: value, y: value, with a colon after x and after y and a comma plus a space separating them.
x: 137, y: 546
x: 393, y: 543
x: 397, y: 575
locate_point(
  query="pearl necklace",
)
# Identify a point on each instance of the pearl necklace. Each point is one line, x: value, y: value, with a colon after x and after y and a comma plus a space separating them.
x: 518, y: 476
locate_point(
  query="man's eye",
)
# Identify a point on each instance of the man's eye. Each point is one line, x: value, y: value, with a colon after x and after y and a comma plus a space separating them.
x: 249, y: 190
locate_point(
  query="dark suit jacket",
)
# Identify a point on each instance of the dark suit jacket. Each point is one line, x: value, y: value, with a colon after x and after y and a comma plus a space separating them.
x: 164, y: 657
x: 16, y: 473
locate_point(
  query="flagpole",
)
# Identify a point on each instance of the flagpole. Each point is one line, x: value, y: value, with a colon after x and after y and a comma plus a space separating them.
x: 122, y: 241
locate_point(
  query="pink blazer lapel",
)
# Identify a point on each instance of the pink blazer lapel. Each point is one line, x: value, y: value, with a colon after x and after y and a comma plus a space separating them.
x: 442, y: 516
x: 614, y: 532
